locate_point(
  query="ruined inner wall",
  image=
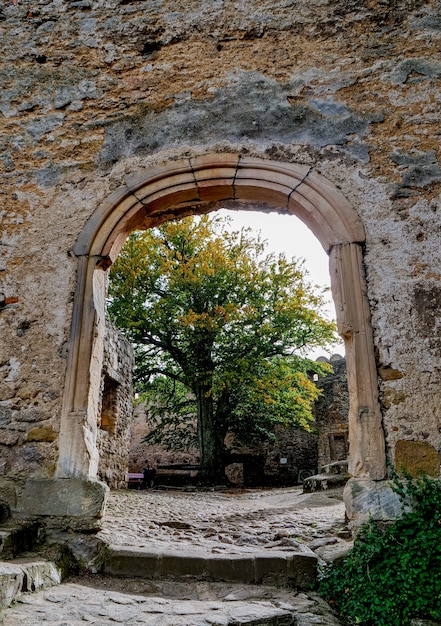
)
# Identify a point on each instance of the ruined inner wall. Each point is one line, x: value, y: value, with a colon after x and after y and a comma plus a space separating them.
x: 116, y: 414
x: 93, y: 91
x: 331, y: 411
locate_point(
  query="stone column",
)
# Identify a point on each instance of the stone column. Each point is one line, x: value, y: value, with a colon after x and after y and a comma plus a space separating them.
x: 74, y: 498
x: 367, y: 456
x: 367, y: 494
x: 78, y: 455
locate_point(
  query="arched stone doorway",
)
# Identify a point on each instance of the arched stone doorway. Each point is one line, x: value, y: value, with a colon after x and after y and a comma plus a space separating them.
x: 196, y: 185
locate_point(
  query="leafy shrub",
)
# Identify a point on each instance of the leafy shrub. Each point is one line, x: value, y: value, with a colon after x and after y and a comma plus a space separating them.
x: 393, y: 574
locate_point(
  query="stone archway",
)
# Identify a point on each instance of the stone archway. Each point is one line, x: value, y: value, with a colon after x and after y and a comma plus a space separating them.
x: 193, y: 186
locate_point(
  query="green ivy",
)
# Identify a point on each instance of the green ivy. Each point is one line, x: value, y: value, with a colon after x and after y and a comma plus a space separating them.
x: 393, y: 574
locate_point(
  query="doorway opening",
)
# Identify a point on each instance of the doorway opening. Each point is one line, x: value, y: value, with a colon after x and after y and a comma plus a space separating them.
x: 279, y: 443
x: 197, y: 186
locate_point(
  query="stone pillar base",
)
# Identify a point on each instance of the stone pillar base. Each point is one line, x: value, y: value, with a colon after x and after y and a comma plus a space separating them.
x: 367, y: 499
x: 64, y: 502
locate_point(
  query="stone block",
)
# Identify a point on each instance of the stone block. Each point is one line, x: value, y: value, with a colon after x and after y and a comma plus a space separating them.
x: 232, y: 567
x: 9, y: 437
x: 63, y: 497
x: 417, y: 457
x: 181, y: 564
x: 9, y: 490
x: 11, y: 583
x: 25, y: 575
x: 322, y: 482
x: 365, y: 499
x: 131, y: 563
x: 42, y: 433
x: 301, y: 570
x: 388, y: 373
x: 38, y: 574
x: 269, y: 567
x: 335, y: 552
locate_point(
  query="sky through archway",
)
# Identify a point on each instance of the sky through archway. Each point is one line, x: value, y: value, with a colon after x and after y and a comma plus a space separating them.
x: 288, y: 234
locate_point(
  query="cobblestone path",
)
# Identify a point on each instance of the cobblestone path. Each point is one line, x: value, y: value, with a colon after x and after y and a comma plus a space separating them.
x: 215, y: 522
x: 222, y: 522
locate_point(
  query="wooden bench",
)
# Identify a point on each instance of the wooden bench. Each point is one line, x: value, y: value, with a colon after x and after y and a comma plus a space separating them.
x: 136, y: 480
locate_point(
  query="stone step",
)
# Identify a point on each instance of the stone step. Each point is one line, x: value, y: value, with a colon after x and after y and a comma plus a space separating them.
x: 23, y: 575
x: 294, y: 569
x: 97, y: 600
x: 18, y: 536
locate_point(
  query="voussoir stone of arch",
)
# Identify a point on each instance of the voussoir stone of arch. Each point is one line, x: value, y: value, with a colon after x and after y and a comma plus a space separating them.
x: 147, y: 197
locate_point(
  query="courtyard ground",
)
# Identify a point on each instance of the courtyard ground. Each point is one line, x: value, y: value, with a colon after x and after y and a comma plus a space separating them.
x: 233, y: 521
x: 226, y: 523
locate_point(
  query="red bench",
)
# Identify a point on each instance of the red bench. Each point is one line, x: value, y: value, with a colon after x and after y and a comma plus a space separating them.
x: 135, y: 480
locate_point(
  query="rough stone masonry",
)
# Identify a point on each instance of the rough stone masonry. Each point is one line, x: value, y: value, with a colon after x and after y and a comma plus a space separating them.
x: 118, y: 114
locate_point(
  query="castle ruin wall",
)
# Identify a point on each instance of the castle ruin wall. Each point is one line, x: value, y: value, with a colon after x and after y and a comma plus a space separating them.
x: 95, y: 92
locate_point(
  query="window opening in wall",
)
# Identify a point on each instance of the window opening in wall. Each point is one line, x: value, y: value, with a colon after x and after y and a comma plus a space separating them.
x: 109, y: 411
x: 338, y: 445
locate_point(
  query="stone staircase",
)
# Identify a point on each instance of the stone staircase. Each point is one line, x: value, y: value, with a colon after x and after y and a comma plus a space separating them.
x: 20, y: 575
x: 171, y: 587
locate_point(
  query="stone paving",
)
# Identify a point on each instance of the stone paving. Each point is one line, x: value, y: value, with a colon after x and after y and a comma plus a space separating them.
x: 162, y: 604
x: 223, y: 522
x: 216, y: 523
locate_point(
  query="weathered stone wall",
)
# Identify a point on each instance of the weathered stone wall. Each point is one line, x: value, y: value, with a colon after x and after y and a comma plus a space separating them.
x: 116, y: 409
x: 142, y: 454
x: 296, y: 446
x: 293, y: 453
x: 331, y: 414
x: 94, y: 91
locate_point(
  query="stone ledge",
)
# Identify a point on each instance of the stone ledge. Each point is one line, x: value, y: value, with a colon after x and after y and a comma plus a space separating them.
x: 68, y: 502
x: 294, y: 568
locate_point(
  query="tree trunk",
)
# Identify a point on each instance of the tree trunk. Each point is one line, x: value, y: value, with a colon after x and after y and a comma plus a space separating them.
x: 211, y: 444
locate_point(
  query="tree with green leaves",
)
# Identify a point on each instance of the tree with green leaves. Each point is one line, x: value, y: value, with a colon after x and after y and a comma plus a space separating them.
x: 220, y: 329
